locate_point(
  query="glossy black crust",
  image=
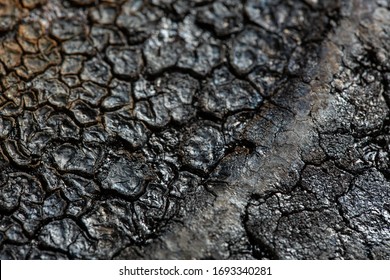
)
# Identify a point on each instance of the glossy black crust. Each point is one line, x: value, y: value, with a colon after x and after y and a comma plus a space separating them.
x: 199, y: 129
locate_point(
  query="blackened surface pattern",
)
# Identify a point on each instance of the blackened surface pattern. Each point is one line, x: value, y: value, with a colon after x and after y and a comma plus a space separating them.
x: 199, y: 129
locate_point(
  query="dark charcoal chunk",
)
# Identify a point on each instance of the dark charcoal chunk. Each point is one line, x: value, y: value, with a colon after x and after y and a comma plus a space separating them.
x: 102, y: 36
x: 164, y: 146
x: 60, y: 126
x: 10, y: 54
x: 96, y: 71
x: 224, y: 94
x: 72, y: 64
x: 83, y: 113
x: 65, y: 29
x: 125, y: 177
x: 65, y: 235
x: 14, y: 233
x: 120, y: 95
x: 38, y: 254
x: 200, y: 51
x: 111, y: 222
x: 151, y: 209
x: 20, y: 188
x: 144, y: 89
x: 54, y: 206
x: 95, y: 133
x: 255, y: 47
x: 54, y: 91
x: 126, y: 62
x: 163, y: 49
x: 5, y: 127
x: 265, y: 82
x: 70, y: 158
x: 178, y: 92
x: 103, y: 13
x: 139, y: 20
x: 90, y: 92
x: 224, y: 16
x: 79, y: 192
x: 185, y: 184
x: 14, y: 252
x: 202, y: 147
x: 9, y: 15
x: 235, y: 125
x: 366, y: 206
x: 133, y: 132
x: 292, y: 230
x: 152, y: 111
x: 10, y: 196
x: 30, y: 215
x: 78, y: 45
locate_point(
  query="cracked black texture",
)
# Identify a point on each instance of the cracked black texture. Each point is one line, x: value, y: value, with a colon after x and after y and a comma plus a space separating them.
x: 200, y: 129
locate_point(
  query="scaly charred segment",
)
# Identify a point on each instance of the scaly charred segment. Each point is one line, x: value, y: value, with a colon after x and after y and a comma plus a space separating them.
x: 194, y: 129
